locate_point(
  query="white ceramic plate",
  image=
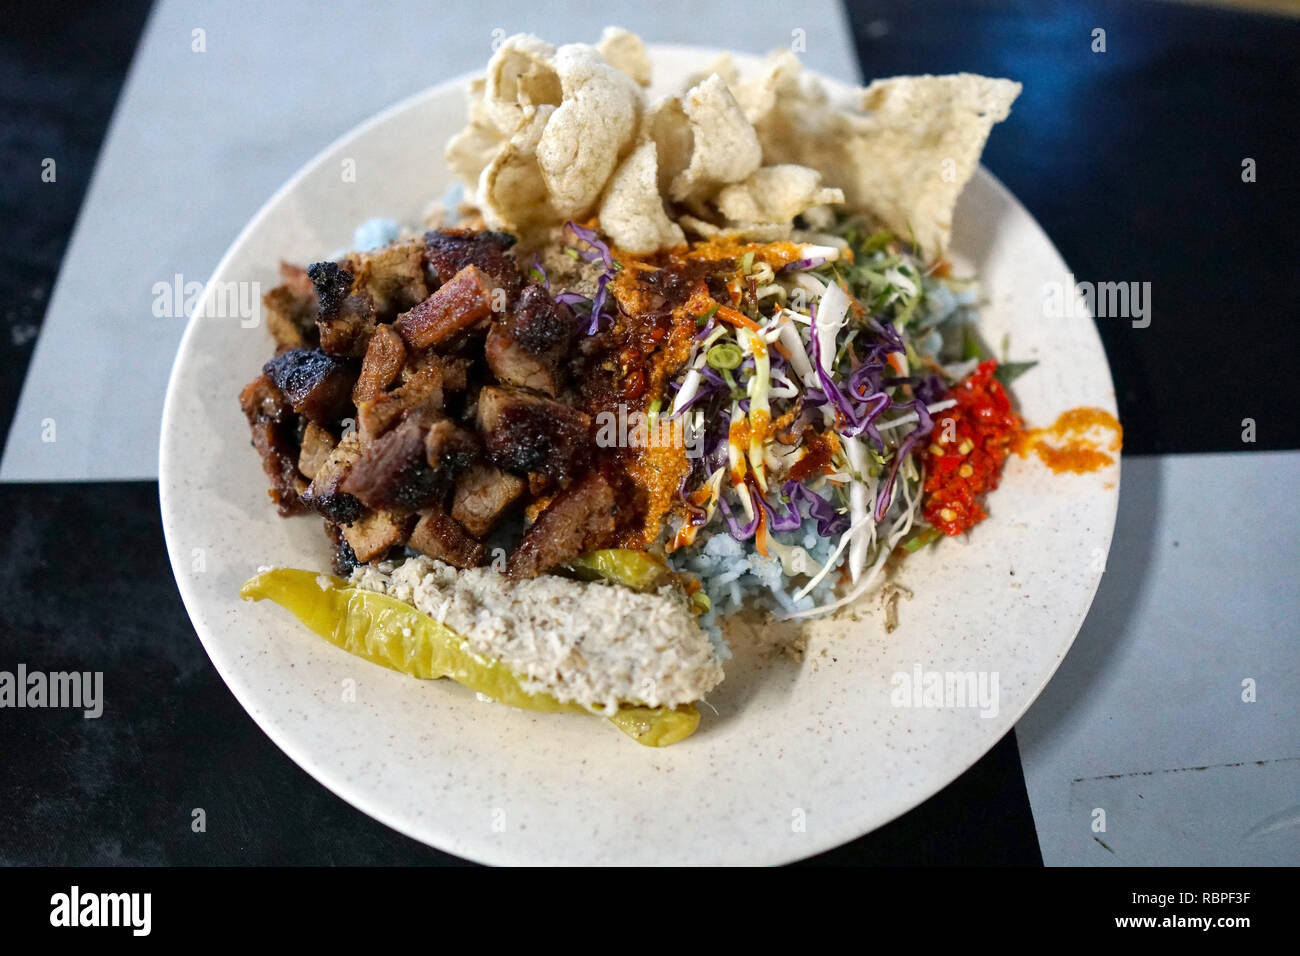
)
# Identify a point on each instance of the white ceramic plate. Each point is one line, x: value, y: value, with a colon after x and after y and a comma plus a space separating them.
x: 800, y: 757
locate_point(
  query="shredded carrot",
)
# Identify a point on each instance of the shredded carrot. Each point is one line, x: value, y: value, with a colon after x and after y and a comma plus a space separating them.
x: 760, y: 533
x: 898, y: 363
x: 741, y: 321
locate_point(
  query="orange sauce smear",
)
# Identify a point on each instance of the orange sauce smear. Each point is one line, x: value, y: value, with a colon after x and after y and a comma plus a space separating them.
x: 1068, y: 446
x: 775, y: 254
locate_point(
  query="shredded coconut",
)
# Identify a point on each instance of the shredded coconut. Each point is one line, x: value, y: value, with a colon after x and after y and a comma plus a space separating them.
x: 596, y: 644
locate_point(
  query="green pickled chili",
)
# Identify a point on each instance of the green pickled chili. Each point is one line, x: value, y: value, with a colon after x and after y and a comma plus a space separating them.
x: 657, y: 726
x: 392, y: 633
x: 634, y: 569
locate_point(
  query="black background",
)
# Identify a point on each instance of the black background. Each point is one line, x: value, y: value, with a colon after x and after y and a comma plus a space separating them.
x: 1131, y: 161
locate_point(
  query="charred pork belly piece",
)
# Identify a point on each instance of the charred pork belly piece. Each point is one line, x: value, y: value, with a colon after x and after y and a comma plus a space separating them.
x: 460, y: 304
x: 483, y: 494
x: 452, y: 370
x: 332, y: 282
x: 318, y: 386
x: 315, y: 448
x: 428, y: 379
x: 392, y: 277
x: 525, y: 432
x: 539, y: 324
x: 273, y: 425
x: 291, y: 309
x: 378, y: 417
x: 581, y: 518
x: 385, y: 356
x: 450, y: 449
x: 393, y: 471
x: 346, y: 332
x: 450, y: 250
x: 439, y: 536
x: 374, y: 534
x: 528, y: 345
x: 346, y: 320
x: 324, y: 495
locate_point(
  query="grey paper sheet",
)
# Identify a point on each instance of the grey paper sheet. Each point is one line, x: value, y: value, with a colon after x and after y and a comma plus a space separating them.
x: 1146, y: 720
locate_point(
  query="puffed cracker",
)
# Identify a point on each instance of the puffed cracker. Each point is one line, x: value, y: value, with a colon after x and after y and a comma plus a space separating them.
x: 632, y: 211
x: 590, y: 131
x: 623, y: 50
x: 774, y: 195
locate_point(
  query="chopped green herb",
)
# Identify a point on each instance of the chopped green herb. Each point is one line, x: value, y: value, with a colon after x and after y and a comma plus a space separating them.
x: 1008, y: 372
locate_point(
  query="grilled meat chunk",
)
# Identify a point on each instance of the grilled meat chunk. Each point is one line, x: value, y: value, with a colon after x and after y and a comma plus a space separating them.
x: 450, y: 449
x: 421, y: 396
x: 378, y: 417
x: 393, y: 472
x: 315, y: 448
x: 345, y: 320
x: 346, y: 331
x: 318, y: 386
x: 291, y: 309
x: 527, y: 346
x: 581, y: 518
x: 393, y: 277
x: 377, y: 532
x: 324, y: 495
x: 272, y: 423
x: 450, y: 250
x: 539, y: 324
x: 385, y: 356
x: 525, y: 432
x: 439, y: 536
x: 332, y: 283
x: 451, y: 371
x: 460, y: 304
x: 483, y: 494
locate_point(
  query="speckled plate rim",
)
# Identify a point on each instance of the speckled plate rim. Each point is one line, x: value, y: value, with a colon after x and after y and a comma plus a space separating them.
x: 450, y: 836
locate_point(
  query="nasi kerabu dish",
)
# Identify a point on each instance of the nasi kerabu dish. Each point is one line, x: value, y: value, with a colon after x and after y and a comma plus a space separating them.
x: 670, y: 360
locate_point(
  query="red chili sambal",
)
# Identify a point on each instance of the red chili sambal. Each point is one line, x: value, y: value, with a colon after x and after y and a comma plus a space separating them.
x: 966, y: 451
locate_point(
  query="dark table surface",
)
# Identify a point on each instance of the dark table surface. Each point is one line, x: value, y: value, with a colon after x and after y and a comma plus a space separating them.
x: 1131, y: 159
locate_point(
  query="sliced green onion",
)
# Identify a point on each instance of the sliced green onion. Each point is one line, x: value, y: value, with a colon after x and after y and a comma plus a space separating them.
x: 919, y: 540
x: 725, y: 355
x: 747, y: 262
